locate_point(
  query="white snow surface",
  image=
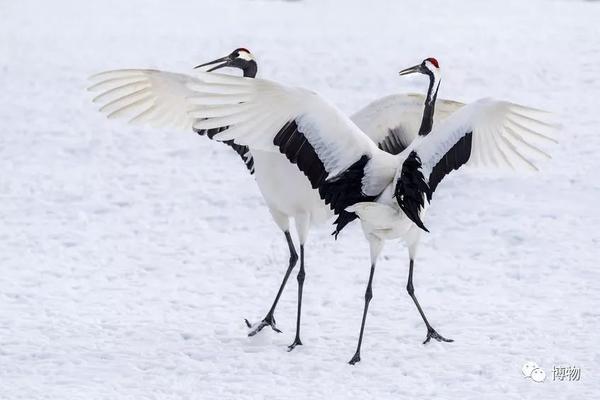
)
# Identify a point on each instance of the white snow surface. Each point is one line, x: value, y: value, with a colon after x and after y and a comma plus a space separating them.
x: 129, y: 257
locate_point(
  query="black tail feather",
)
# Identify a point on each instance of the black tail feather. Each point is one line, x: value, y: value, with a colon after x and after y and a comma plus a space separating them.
x: 343, y: 219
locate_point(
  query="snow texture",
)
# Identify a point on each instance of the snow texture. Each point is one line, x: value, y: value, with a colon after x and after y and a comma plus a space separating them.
x: 130, y: 257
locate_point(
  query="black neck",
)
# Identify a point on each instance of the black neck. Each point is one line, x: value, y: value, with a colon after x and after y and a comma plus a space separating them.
x: 250, y: 69
x: 427, y: 121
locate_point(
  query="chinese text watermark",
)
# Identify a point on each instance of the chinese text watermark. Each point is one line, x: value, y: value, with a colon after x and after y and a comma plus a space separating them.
x: 570, y: 373
x: 534, y: 372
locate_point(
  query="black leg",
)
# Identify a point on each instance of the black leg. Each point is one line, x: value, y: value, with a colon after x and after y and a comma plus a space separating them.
x: 269, y: 319
x: 431, y: 333
x: 368, y: 297
x: 301, y: 275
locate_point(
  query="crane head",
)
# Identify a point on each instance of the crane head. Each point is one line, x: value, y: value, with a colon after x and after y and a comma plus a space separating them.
x: 241, y: 58
x: 429, y: 66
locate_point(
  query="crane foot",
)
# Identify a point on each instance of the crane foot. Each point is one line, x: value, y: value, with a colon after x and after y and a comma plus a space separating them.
x: 432, y: 334
x: 267, y: 321
x: 355, y: 358
x: 297, y: 342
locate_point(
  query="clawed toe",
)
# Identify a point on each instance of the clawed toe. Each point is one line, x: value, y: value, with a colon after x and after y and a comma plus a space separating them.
x: 254, y: 329
x: 432, y: 334
x: 297, y: 342
x: 355, y: 359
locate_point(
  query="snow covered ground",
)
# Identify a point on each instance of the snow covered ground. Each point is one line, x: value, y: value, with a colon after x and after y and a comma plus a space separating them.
x: 129, y: 257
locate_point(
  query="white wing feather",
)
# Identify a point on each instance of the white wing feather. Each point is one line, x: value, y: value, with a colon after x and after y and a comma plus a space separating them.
x: 262, y: 108
x: 253, y: 109
x: 145, y: 96
x: 400, y: 113
x: 503, y: 135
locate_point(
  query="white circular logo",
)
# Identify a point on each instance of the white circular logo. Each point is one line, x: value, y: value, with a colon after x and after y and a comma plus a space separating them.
x: 528, y: 368
x: 538, y: 375
x: 531, y: 370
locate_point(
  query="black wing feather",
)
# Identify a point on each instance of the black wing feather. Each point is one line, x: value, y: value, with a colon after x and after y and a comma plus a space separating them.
x: 457, y: 156
x: 392, y: 143
x: 339, y: 192
x: 241, y: 150
x: 412, y: 188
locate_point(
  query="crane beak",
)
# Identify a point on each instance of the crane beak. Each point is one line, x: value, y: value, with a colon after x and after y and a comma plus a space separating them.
x: 411, y: 70
x: 224, y: 60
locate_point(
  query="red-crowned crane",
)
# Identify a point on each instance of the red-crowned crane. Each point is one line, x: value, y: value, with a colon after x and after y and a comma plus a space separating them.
x: 350, y: 172
x: 392, y: 122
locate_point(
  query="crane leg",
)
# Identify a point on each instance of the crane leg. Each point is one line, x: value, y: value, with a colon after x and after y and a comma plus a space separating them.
x: 375, y: 245
x: 368, y: 297
x: 269, y: 319
x: 301, y: 274
x: 431, y: 333
x: 302, y: 222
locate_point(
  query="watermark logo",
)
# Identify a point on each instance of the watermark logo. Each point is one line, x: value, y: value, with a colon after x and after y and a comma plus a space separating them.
x: 534, y: 372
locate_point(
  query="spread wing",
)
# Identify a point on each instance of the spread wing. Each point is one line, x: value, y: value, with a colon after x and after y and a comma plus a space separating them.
x: 154, y: 97
x: 487, y: 133
x: 144, y: 96
x: 339, y: 160
x: 336, y: 156
x: 393, y: 121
